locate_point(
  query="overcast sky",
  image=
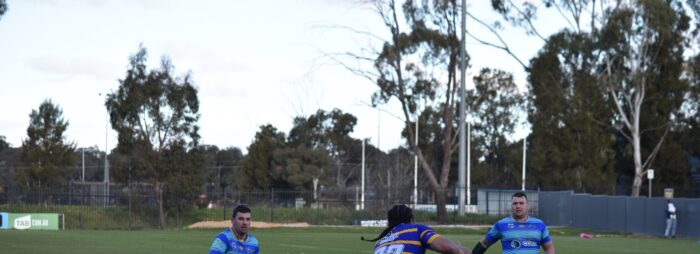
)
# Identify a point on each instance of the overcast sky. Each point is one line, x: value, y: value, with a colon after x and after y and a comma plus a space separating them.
x: 254, y: 62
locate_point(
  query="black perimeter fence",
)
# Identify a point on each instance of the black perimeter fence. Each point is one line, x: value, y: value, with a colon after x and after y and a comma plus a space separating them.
x: 90, y: 207
x: 136, y: 208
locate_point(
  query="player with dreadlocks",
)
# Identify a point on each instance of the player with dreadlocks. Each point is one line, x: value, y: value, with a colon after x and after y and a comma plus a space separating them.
x: 402, y: 236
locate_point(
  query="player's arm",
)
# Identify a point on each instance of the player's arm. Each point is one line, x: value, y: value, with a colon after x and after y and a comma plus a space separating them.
x: 548, y: 248
x: 548, y: 244
x: 481, y: 246
x: 445, y: 246
x: 217, y: 246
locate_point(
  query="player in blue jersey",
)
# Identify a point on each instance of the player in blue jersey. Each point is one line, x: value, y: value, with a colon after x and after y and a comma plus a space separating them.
x: 236, y: 240
x: 403, y: 237
x: 519, y: 233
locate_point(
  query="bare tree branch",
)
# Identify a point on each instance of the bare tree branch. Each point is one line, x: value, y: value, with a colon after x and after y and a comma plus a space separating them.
x: 653, y: 154
x: 505, y: 45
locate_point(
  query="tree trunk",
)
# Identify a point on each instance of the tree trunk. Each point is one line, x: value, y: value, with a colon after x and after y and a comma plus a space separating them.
x: 440, y: 203
x: 636, y: 145
x: 159, y: 198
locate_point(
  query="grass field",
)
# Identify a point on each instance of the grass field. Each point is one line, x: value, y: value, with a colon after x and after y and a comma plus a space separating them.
x: 317, y: 240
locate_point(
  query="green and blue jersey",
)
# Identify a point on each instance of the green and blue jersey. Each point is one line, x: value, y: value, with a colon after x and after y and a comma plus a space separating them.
x: 226, y: 243
x: 519, y: 237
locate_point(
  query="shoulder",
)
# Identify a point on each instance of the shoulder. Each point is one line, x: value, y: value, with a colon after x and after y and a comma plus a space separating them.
x: 421, y: 227
x: 538, y: 223
x: 252, y: 240
x: 226, y: 234
x: 535, y: 220
x: 505, y: 220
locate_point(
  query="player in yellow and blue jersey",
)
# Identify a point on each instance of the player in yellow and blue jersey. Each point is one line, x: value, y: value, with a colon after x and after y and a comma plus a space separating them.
x: 403, y: 237
x: 519, y: 233
x: 236, y: 239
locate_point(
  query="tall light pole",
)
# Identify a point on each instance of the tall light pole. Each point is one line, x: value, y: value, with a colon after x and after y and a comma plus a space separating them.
x: 415, y: 170
x: 469, y: 158
x: 524, y: 159
x: 106, y: 172
x: 362, y: 195
x: 83, y: 150
x: 650, y: 175
x: 462, y: 91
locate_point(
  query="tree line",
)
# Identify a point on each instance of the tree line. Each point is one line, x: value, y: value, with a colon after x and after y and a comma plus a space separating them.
x: 610, y: 95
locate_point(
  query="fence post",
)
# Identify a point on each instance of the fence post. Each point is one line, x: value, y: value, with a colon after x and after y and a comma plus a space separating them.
x: 272, y: 203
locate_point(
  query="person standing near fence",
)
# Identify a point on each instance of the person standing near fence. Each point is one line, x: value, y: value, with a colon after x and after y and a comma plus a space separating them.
x: 670, y: 219
x: 401, y: 236
x: 236, y: 239
x: 519, y: 233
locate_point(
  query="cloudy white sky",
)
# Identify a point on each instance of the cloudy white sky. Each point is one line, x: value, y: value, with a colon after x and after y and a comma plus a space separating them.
x: 254, y: 62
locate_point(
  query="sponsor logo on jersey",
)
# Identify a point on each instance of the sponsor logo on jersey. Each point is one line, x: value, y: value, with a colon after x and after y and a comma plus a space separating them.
x: 390, y: 237
x: 529, y: 244
x: 515, y: 244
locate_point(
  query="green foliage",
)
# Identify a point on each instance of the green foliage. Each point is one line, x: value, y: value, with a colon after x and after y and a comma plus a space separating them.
x: 3, y: 143
x: 256, y: 167
x: 94, y: 163
x: 186, y: 175
x: 3, y: 7
x: 300, y: 167
x: 156, y: 117
x: 318, y: 147
x: 325, y: 143
x: 227, y: 162
x: 496, y: 106
x: 418, y: 67
x: 591, y: 87
x: 567, y: 103
x: 45, y: 152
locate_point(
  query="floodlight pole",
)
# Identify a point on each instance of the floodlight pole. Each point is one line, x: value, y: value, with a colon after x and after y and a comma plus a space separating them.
x: 83, y: 177
x: 106, y: 178
x: 415, y: 169
x: 650, y: 175
x: 106, y: 172
x: 524, y: 159
x: 462, y: 91
x: 362, y: 195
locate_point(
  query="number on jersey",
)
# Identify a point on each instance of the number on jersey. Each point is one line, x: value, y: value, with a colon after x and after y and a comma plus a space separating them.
x: 390, y: 249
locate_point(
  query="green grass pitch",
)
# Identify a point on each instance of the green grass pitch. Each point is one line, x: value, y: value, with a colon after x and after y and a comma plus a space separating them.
x: 316, y: 240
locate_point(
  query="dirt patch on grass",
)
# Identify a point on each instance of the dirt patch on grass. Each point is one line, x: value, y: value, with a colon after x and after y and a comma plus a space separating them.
x: 256, y: 224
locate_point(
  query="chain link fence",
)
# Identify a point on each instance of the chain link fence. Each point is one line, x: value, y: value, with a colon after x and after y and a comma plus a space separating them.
x: 85, y: 207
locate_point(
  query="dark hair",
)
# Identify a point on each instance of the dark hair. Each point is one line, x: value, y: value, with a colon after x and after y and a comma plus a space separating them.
x: 395, y: 216
x: 520, y: 194
x: 240, y: 209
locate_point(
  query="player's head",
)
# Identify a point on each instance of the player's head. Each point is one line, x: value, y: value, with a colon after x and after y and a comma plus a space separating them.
x: 241, y: 219
x: 519, y: 205
x: 399, y: 214
x: 396, y: 215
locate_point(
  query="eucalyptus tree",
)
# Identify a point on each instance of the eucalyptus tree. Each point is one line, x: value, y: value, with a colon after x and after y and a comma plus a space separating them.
x: 156, y: 115
x: 329, y: 132
x: 642, y: 47
x: 628, y: 54
x: 417, y: 66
